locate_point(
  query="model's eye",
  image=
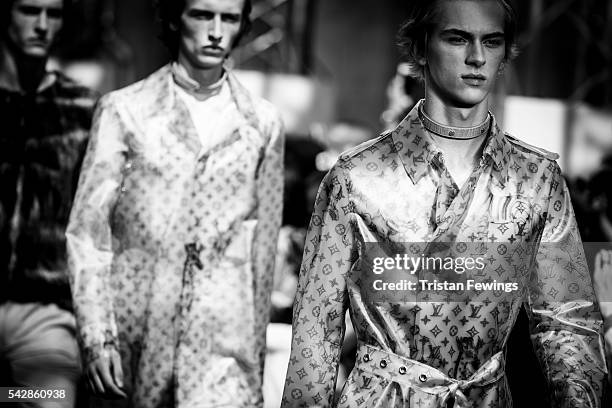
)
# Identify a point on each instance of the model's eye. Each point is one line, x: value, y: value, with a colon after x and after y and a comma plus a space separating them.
x: 494, y: 42
x: 29, y: 10
x: 54, y: 13
x: 230, y: 18
x: 456, y: 40
x: 201, y: 14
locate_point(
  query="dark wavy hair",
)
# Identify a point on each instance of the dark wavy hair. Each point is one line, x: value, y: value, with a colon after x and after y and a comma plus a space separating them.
x: 5, y: 14
x: 421, y: 19
x: 169, y: 14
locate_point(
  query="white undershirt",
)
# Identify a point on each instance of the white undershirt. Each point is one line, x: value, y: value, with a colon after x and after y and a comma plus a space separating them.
x: 208, y: 114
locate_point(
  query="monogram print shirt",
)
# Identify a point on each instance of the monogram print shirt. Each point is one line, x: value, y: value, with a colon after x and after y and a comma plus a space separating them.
x: 171, y: 245
x: 437, y: 348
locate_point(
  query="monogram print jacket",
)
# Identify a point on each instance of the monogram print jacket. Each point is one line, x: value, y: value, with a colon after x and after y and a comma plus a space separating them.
x: 171, y: 246
x: 423, y: 348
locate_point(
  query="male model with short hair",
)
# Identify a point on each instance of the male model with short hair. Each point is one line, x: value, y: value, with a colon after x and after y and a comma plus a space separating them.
x: 45, y: 120
x: 173, y: 232
x: 446, y: 180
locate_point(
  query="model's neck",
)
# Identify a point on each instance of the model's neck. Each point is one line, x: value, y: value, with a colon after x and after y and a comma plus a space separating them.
x: 461, y: 156
x: 204, y: 77
x: 18, y: 72
x: 455, y: 116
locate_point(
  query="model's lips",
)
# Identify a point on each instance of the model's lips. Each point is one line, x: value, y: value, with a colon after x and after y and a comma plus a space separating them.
x: 212, y: 49
x: 37, y: 42
x: 474, y: 79
x: 474, y: 76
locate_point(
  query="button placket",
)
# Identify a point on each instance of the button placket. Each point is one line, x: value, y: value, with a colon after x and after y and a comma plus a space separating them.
x: 127, y: 168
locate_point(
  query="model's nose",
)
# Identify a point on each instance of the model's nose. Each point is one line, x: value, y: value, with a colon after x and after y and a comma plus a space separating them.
x: 215, y: 33
x: 476, y: 55
x: 42, y: 22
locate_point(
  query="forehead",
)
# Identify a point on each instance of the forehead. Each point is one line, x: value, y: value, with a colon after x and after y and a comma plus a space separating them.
x: 49, y: 4
x: 474, y: 16
x: 218, y: 6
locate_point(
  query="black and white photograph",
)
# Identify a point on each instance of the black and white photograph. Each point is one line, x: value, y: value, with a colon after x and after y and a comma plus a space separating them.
x: 306, y: 203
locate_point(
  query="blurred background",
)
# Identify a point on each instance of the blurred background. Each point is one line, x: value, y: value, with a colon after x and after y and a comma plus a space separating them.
x: 334, y: 71
x: 328, y: 61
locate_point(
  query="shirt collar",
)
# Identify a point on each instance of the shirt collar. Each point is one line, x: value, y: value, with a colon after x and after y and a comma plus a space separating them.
x: 417, y: 149
x: 47, y: 81
x: 160, y: 86
x: 186, y: 82
x: 498, y: 149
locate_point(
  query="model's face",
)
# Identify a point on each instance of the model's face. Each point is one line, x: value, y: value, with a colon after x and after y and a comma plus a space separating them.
x: 208, y: 31
x: 34, y: 25
x: 465, y: 51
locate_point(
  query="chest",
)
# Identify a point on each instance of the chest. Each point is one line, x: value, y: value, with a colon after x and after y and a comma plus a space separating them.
x: 402, y: 211
x: 169, y: 173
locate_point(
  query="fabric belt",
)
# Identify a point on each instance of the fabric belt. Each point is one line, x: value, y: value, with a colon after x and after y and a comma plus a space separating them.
x: 428, y: 379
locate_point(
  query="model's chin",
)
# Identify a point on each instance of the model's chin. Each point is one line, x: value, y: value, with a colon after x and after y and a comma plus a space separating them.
x: 460, y: 94
x: 209, y: 61
x: 35, y: 51
x: 470, y: 97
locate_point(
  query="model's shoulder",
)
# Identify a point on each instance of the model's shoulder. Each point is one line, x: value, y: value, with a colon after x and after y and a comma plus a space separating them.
x: 254, y: 107
x: 526, y: 148
x: 371, y: 144
x: 265, y: 109
x: 69, y: 92
x: 144, y: 90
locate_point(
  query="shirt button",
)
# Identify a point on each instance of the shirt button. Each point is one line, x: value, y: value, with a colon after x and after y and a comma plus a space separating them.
x: 383, y: 364
x: 123, y: 189
x: 366, y: 357
x: 422, y: 378
x: 402, y: 370
x: 128, y: 165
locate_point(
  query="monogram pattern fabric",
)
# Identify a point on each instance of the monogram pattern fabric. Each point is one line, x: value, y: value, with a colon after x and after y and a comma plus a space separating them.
x: 171, y: 246
x: 516, y: 205
x: 390, y: 369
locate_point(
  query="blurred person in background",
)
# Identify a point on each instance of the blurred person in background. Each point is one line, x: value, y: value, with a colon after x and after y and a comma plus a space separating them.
x: 173, y: 234
x: 446, y: 174
x: 340, y: 136
x: 45, y: 118
x: 401, y: 93
x: 598, y: 217
x: 602, y: 279
x: 597, y: 231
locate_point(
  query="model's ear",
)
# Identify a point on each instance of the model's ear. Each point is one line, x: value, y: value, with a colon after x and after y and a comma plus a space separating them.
x: 502, y: 67
x: 422, y: 60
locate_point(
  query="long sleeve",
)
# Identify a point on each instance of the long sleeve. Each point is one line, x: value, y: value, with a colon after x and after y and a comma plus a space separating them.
x: 565, y: 321
x: 269, y: 191
x: 89, y: 238
x: 321, y: 299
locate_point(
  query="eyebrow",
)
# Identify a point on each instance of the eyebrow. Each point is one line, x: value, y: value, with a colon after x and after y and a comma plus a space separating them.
x: 208, y: 10
x: 455, y: 31
x: 38, y: 7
